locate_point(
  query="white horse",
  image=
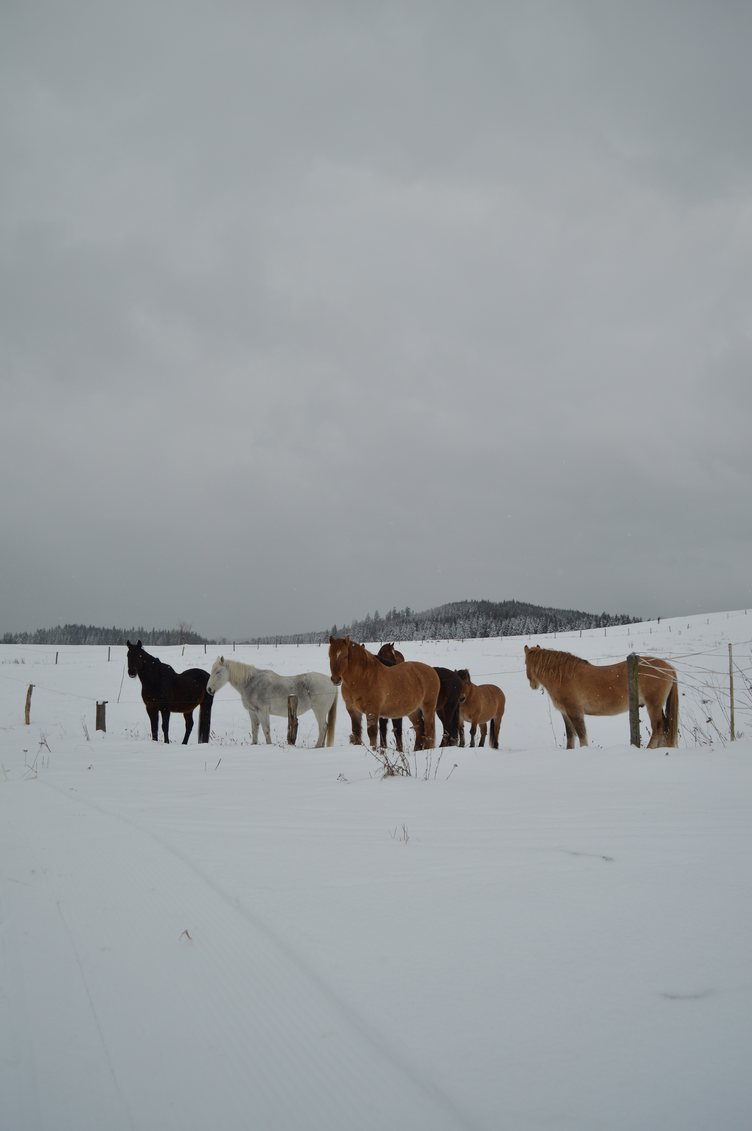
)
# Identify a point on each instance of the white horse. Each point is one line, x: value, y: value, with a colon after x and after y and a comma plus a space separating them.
x: 265, y: 693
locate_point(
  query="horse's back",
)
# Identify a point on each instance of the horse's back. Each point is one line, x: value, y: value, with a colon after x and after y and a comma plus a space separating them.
x: 412, y: 680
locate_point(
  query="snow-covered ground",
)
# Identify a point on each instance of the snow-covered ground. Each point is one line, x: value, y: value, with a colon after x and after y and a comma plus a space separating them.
x: 239, y: 937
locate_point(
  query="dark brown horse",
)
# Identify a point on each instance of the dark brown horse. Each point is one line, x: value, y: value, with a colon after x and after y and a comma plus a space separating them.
x: 389, y: 656
x: 163, y: 691
x: 370, y: 688
x: 578, y: 688
x: 482, y: 705
x: 449, y: 705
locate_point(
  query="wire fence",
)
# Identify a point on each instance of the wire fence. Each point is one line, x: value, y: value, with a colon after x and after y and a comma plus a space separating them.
x: 715, y: 683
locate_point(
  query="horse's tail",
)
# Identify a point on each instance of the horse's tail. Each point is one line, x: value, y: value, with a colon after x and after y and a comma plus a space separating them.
x: 671, y: 725
x: 331, y: 719
x: 204, y: 716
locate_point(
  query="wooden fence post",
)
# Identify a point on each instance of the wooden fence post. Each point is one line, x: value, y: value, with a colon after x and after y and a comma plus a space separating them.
x: 731, y: 689
x: 100, y: 716
x: 292, y: 719
x: 27, y: 712
x: 633, y: 662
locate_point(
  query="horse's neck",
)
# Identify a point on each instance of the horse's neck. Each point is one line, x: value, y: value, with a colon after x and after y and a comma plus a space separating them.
x: 152, y: 669
x: 361, y: 659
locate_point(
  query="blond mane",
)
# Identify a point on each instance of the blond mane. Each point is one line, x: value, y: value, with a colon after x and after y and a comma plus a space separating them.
x: 547, y: 661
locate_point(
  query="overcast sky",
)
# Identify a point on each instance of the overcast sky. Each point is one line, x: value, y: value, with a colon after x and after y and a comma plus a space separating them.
x: 315, y: 308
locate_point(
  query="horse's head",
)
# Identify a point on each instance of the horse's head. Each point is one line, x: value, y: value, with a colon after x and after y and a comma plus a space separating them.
x: 135, y: 658
x: 387, y: 652
x: 220, y: 674
x: 464, y: 675
x: 339, y: 657
x: 530, y: 666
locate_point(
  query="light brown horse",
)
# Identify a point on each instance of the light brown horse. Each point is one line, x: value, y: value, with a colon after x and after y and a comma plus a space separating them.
x: 371, y: 689
x: 482, y: 704
x: 578, y: 688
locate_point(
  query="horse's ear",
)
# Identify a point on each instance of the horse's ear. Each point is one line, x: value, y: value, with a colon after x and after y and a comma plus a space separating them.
x: 221, y: 659
x: 139, y: 645
x: 526, y: 649
x: 347, y: 638
x: 331, y: 639
x: 128, y: 644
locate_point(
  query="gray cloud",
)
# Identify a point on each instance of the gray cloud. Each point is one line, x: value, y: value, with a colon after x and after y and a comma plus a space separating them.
x: 310, y: 309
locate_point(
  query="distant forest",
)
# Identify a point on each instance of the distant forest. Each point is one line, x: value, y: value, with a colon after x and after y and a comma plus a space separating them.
x: 459, y: 620
x: 90, y: 634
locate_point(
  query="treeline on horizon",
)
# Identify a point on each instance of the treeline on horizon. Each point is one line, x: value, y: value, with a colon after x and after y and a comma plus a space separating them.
x: 458, y: 620
x: 91, y: 634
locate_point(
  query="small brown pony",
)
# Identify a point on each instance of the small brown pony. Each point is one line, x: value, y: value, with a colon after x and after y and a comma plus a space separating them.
x: 578, y: 688
x: 370, y: 688
x: 482, y: 704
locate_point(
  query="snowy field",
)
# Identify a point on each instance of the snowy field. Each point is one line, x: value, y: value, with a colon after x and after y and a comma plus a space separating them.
x: 260, y: 938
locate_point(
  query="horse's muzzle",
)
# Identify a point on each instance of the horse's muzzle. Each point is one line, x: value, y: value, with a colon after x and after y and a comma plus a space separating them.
x: 337, y: 681
x: 210, y: 690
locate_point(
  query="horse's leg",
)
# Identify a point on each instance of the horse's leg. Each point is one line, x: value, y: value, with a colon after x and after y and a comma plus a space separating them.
x: 483, y: 732
x: 473, y: 729
x: 382, y: 731
x: 658, y: 725
x: 460, y: 732
x: 575, y: 724
x: 153, y: 713
x: 570, y: 731
x: 320, y: 713
x: 204, y: 718
x: 420, y: 732
x: 264, y: 720
x: 372, y: 726
x: 428, y: 711
x: 356, y: 720
x: 165, y: 713
x: 452, y: 726
x: 397, y: 729
x: 442, y: 719
x: 254, y: 726
x: 188, y: 716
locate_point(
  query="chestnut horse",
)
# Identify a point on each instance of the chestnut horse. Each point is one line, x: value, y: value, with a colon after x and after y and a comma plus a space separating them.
x: 482, y: 704
x: 370, y: 688
x: 450, y: 693
x: 578, y: 688
x: 389, y: 652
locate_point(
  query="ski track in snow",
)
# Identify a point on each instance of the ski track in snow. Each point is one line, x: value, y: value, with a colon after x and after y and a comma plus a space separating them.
x: 221, y: 981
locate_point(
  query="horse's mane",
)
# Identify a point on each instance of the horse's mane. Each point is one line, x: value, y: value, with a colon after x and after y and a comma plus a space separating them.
x: 550, y: 662
x: 238, y: 670
x: 364, y: 656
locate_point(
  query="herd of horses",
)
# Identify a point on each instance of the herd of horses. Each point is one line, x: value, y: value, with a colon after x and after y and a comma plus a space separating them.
x: 385, y: 686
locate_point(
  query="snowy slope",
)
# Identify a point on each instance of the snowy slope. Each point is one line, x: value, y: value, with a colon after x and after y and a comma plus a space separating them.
x: 274, y: 937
